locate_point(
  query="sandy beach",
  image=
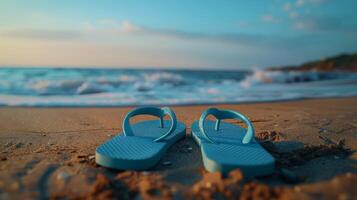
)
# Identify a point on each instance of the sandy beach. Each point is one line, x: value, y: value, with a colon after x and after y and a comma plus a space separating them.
x: 71, y: 71
x: 49, y: 153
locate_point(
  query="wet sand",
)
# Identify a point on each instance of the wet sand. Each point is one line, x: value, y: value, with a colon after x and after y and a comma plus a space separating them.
x: 49, y: 153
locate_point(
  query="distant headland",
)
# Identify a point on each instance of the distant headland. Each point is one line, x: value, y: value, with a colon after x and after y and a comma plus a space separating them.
x: 342, y: 62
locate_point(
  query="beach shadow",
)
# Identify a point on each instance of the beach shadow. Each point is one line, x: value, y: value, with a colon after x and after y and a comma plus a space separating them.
x: 308, y: 164
x: 183, y: 154
x: 286, y: 146
x: 299, y: 163
x: 182, y: 163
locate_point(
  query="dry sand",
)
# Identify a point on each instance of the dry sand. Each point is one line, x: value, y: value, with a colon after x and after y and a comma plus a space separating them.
x: 49, y: 153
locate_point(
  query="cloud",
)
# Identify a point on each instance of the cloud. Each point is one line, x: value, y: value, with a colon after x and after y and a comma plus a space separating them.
x: 106, y: 22
x: 121, y: 43
x: 316, y: 1
x: 128, y: 27
x: 244, y: 24
x: 98, y: 32
x: 324, y: 24
x: 269, y: 18
x: 299, y: 18
x: 287, y: 7
x: 241, y: 39
x: 42, y: 34
x: 293, y: 14
x: 308, y: 24
x: 300, y: 3
x: 294, y: 9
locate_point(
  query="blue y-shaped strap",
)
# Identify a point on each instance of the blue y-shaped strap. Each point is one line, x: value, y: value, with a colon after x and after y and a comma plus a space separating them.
x: 225, y: 114
x: 155, y: 111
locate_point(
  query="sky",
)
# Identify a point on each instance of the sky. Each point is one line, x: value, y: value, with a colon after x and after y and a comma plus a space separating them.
x: 199, y: 34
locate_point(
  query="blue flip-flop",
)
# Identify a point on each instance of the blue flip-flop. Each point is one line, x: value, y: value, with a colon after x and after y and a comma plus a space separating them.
x: 142, y: 144
x: 226, y: 146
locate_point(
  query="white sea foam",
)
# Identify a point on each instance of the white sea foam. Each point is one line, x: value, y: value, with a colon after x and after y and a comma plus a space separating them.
x: 164, y: 78
x: 54, y: 86
x: 285, y: 77
x: 92, y: 88
x: 88, y: 87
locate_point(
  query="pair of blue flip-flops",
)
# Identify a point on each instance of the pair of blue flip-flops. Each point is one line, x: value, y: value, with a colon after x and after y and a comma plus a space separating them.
x: 224, y: 146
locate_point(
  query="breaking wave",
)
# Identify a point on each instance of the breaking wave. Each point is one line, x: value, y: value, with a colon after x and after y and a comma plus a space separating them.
x: 119, y: 87
x: 289, y: 77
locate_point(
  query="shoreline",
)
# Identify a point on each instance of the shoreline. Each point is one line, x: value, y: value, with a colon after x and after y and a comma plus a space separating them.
x: 48, y: 152
x: 183, y: 104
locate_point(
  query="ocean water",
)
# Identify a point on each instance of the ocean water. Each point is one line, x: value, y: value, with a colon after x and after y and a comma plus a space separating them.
x: 122, y: 87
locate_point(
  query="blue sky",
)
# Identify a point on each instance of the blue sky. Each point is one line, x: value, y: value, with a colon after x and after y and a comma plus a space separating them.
x: 181, y: 34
